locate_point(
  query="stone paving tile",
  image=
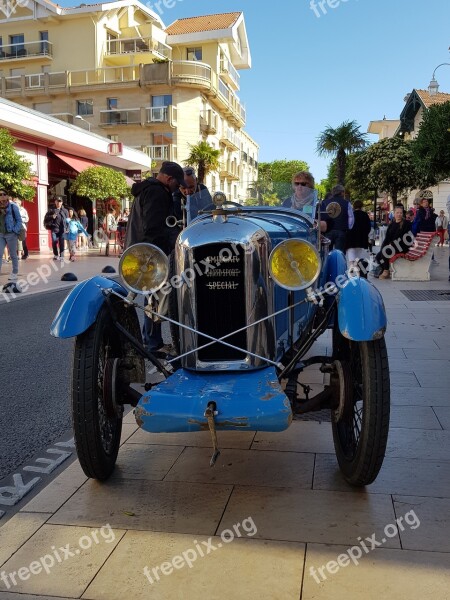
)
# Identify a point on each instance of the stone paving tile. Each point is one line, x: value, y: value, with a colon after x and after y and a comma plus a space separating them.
x: 201, y: 439
x: 383, y: 573
x: 420, y: 354
x: 410, y: 476
x: 410, y: 342
x: 419, y: 443
x: 437, y: 366
x: 402, y: 379
x: 246, y: 568
x: 70, y: 575
x: 58, y: 491
x: 434, y: 380
x: 302, y: 436
x: 414, y: 417
x: 310, y: 515
x: 279, y: 469
x: 152, y: 505
x: 443, y: 414
x: 12, y: 596
x: 17, y: 531
x: 127, y: 431
x: 434, y: 517
x: 419, y: 396
x: 141, y: 461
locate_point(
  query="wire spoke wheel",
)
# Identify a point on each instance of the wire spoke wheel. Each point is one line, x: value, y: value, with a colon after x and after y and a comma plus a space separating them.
x: 360, y: 434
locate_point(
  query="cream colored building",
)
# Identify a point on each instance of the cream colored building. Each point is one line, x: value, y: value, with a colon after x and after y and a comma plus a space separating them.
x: 134, y: 80
x: 408, y: 126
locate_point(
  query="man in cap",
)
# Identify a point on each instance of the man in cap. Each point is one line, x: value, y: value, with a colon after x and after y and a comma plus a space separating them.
x: 153, y: 203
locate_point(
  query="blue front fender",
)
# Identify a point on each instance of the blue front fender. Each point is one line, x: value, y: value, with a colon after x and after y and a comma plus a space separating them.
x: 361, y: 313
x: 81, y: 307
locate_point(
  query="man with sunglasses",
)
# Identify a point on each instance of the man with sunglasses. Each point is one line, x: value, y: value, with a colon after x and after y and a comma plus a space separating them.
x: 152, y: 204
x: 194, y: 197
x: 10, y: 226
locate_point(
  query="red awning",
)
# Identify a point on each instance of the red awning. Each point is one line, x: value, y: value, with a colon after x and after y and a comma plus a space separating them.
x: 76, y: 163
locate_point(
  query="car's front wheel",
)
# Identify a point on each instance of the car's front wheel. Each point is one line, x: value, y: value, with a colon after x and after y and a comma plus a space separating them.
x: 360, y: 428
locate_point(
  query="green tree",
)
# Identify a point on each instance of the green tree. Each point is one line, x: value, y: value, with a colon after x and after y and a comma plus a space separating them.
x: 432, y: 145
x: 387, y: 166
x: 100, y: 183
x: 14, y: 170
x: 339, y: 143
x: 204, y: 157
x: 275, y: 180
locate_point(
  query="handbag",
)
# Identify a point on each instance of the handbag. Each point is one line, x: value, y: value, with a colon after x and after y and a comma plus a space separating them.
x: 22, y: 234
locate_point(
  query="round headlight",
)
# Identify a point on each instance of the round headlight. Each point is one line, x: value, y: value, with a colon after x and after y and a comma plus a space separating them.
x: 294, y: 264
x: 144, y: 268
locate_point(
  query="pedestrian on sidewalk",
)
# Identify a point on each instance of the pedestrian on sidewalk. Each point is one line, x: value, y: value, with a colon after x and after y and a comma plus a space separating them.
x: 396, y: 239
x: 82, y: 242
x: 73, y: 230
x: 357, y: 238
x: 441, y: 227
x: 10, y: 226
x: 22, y: 248
x: 153, y: 203
x: 55, y: 221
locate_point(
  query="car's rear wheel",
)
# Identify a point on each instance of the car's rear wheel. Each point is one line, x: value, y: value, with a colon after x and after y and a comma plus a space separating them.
x: 360, y: 429
x: 97, y: 419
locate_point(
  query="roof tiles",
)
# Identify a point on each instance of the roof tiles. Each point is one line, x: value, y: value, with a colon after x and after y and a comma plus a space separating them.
x: 205, y: 23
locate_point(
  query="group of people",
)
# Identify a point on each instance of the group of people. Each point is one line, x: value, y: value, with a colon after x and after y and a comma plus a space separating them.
x: 65, y: 225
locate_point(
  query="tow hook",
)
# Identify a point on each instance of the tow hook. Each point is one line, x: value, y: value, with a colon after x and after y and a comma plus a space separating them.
x: 210, y: 412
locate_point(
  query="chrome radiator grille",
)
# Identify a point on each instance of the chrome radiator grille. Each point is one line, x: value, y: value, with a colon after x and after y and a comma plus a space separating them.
x: 220, y: 301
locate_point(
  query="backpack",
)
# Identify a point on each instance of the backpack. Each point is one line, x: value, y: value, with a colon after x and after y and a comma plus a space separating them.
x: 49, y: 220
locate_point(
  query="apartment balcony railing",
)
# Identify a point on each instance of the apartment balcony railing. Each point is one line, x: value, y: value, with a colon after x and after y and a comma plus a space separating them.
x: 229, y: 73
x: 230, y: 139
x: 244, y: 156
x: 191, y: 73
x: 224, y: 90
x: 138, y: 116
x: 129, y: 116
x: 43, y: 48
x: 105, y: 75
x: 161, y: 152
x: 229, y: 169
x: 208, y: 121
x: 137, y: 45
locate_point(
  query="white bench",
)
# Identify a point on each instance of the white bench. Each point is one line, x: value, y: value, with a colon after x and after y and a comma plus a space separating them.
x: 414, y: 265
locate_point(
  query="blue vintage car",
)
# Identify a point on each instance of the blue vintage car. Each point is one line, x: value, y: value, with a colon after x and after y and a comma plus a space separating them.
x: 247, y: 292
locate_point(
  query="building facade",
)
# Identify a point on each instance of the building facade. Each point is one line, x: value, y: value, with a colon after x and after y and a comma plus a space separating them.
x: 116, y: 70
x: 408, y: 126
x: 57, y: 153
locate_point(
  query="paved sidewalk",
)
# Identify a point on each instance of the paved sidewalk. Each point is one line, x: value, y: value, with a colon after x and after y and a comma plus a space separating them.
x: 164, y: 506
x: 40, y: 273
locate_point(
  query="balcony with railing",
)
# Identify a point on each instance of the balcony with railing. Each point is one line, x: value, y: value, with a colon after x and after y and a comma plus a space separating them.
x: 160, y: 152
x: 230, y: 139
x: 191, y: 73
x: 42, y: 49
x: 208, y: 121
x: 112, y: 118
x: 118, y: 51
x: 160, y: 114
x: 229, y: 73
x: 229, y: 169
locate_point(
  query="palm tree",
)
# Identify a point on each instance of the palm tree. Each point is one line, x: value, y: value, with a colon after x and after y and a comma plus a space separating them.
x: 338, y: 142
x: 204, y: 157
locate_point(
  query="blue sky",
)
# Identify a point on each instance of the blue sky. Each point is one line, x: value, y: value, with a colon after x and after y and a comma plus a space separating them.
x: 357, y: 61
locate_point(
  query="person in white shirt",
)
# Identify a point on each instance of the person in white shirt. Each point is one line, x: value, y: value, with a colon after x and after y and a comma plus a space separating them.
x: 22, y: 248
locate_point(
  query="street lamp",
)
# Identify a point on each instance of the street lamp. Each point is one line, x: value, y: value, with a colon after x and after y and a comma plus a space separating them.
x: 433, y: 88
x: 84, y: 120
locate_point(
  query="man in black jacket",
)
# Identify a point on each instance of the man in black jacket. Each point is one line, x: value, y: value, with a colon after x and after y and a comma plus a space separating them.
x: 152, y: 204
x: 55, y: 221
x: 343, y: 222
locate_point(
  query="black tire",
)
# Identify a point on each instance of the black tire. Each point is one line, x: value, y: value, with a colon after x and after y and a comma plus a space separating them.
x: 360, y: 436
x: 96, y: 433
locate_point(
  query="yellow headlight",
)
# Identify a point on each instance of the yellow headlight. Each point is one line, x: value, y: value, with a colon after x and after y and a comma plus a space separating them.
x: 144, y: 268
x: 294, y: 264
